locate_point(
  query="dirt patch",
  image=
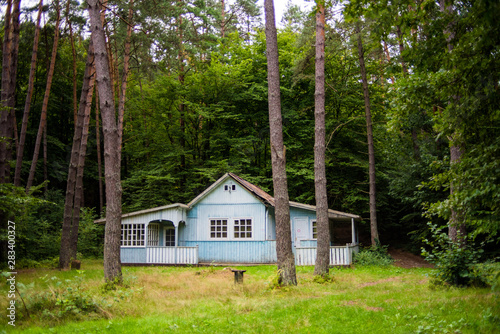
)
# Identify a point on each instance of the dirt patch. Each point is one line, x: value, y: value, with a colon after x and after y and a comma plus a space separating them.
x: 363, y: 305
x: 405, y: 259
x: 390, y: 279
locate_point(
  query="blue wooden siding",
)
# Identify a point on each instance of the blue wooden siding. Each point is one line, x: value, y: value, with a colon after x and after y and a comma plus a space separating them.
x: 235, y: 251
x: 133, y: 255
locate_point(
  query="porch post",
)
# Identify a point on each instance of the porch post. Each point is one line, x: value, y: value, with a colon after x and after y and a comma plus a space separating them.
x: 176, y: 241
x: 353, y: 230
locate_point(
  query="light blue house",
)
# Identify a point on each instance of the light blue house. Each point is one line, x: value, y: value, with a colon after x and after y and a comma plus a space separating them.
x: 232, y: 221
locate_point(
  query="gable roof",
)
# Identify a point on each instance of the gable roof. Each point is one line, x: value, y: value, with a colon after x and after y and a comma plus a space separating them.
x: 260, y: 194
x: 268, y: 199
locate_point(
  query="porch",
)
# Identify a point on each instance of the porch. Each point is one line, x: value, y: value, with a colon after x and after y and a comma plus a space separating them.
x: 339, y: 255
x: 159, y: 255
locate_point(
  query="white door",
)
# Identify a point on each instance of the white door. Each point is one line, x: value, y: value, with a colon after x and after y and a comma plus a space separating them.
x: 301, y: 229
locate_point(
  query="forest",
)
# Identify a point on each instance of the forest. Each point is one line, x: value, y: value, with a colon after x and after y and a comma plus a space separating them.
x: 189, y: 92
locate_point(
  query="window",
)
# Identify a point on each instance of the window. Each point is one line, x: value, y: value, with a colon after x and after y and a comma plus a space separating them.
x: 315, y: 230
x: 170, y: 236
x: 153, y: 234
x: 229, y: 187
x: 218, y: 228
x: 132, y: 235
x: 242, y: 228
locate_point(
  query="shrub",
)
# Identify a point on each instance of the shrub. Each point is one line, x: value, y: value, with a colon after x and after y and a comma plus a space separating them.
x: 373, y: 256
x: 455, y: 261
x: 64, y: 299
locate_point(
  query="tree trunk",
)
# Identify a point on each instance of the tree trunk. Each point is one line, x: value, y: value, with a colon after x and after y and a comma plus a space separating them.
x: 14, y: 51
x: 27, y: 103
x: 323, y: 227
x: 43, y: 116
x: 7, y: 103
x: 182, y: 106
x: 371, y: 150
x: 456, y: 226
x: 69, y: 203
x: 126, y: 59
x: 112, y: 148
x: 73, y: 53
x: 99, y: 159
x: 78, y: 202
x: 286, y: 260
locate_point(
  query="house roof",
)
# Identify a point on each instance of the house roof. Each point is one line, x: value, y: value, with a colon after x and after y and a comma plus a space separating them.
x: 268, y: 199
x: 255, y: 190
x: 141, y: 212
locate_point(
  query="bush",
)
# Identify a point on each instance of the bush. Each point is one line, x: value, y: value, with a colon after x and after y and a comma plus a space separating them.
x: 90, y: 235
x: 373, y: 256
x: 456, y: 262
x: 64, y: 299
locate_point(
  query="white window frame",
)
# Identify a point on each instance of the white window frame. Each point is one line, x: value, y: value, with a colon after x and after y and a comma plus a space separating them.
x: 210, y: 231
x: 242, y: 235
x: 153, y: 234
x: 132, y: 235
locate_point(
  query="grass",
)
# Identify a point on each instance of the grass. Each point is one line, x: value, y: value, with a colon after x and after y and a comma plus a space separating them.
x: 206, y: 300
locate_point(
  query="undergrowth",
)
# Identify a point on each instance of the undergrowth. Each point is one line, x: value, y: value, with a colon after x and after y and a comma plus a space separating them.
x: 373, y: 256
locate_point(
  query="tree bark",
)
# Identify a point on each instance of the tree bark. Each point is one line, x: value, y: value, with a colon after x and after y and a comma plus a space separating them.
x: 126, y: 60
x: 99, y: 159
x: 369, y: 135
x: 9, y: 68
x: 78, y: 202
x: 43, y: 116
x: 69, y: 203
x: 286, y: 260
x: 323, y: 227
x: 27, y: 103
x: 456, y: 226
x: 73, y: 53
x: 112, y: 148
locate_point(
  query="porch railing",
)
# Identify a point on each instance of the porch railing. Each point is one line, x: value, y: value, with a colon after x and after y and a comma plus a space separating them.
x: 339, y: 255
x: 172, y: 255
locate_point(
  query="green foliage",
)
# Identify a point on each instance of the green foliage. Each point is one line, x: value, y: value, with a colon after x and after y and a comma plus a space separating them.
x: 274, y: 281
x: 64, y: 299
x: 373, y: 256
x: 323, y: 279
x: 455, y: 261
x: 90, y: 235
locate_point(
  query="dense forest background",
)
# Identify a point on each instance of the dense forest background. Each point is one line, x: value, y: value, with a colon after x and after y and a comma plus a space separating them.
x: 196, y: 108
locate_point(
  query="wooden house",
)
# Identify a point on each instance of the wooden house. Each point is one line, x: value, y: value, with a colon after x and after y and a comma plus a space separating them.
x: 232, y: 221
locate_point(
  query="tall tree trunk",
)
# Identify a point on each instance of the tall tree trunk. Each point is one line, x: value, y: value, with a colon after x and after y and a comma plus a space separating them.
x: 182, y: 106
x: 45, y: 173
x: 456, y: 226
x: 369, y: 135
x: 69, y: 203
x: 286, y: 260
x: 323, y: 227
x: 43, y: 116
x: 78, y: 202
x: 126, y: 60
x: 7, y: 102
x: 99, y: 159
x: 112, y: 148
x: 27, y: 103
x: 14, y: 51
x: 73, y: 53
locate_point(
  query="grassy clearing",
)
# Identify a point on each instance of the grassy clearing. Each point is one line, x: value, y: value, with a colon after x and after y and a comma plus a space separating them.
x: 206, y: 300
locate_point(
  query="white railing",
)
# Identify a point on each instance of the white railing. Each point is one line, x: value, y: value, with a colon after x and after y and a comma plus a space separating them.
x: 172, y: 255
x: 339, y: 255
